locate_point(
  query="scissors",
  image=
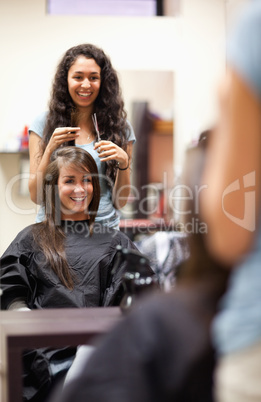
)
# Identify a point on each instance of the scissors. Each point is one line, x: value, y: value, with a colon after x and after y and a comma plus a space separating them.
x: 94, y: 119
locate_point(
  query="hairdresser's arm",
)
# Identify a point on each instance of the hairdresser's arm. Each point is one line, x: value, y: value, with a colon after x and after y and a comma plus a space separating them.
x: 38, y: 166
x: 234, y: 153
x: 122, y: 186
x: 39, y: 163
x: 110, y: 151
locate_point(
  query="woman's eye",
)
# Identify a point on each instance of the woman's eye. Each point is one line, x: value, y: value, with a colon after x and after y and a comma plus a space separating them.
x: 69, y: 181
x: 88, y: 180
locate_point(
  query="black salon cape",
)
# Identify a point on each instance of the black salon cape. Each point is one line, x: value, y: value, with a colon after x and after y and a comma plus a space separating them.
x: 25, y: 274
x: 161, y: 352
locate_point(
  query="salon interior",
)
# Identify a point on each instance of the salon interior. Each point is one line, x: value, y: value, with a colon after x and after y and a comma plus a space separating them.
x: 169, y: 67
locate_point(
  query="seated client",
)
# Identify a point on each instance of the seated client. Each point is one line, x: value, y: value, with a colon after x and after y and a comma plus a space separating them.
x: 65, y: 261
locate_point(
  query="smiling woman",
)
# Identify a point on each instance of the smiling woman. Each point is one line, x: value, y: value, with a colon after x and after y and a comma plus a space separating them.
x: 86, y: 84
x: 75, y: 193
x: 84, y: 81
x: 71, y: 189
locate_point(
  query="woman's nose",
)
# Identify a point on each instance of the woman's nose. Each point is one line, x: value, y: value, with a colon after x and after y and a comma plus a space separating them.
x: 78, y: 188
x: 86, y: 83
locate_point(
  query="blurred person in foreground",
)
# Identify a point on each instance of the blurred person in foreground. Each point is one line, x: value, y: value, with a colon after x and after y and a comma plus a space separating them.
x: 231, y: 208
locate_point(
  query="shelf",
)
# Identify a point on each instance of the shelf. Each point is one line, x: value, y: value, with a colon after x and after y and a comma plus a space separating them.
x: 163, y: 126
x: 23, y: 152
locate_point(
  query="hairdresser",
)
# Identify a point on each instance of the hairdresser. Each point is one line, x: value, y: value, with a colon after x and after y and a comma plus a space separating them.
x: 86, y: 103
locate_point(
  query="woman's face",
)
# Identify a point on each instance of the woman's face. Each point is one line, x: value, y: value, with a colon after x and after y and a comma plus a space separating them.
x: 84, y: 81
x: 76, y: 192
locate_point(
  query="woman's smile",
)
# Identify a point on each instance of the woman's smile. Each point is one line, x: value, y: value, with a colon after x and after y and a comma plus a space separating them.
x: 84, y: 81
x: 76, y: 192
x: 78, y: 199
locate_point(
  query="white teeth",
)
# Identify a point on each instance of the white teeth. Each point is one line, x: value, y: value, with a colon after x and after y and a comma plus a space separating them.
x: 78, y: 198
x: 84, y: 95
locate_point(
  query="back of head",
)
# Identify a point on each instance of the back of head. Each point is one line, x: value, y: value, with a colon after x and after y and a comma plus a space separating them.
x: 201, y: 266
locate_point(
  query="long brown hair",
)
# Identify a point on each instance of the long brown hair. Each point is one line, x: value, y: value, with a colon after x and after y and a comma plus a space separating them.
x: 49, y: 235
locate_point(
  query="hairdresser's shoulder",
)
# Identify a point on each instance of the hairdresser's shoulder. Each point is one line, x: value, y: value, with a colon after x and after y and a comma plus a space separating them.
x: 130, y: 133
x: 38, y: 123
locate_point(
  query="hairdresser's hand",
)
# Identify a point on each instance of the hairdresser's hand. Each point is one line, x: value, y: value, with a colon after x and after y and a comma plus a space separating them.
x: 61, y: 135
x: 108, y: 151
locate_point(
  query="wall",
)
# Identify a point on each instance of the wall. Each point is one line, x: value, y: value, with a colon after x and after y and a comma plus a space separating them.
x: 201, y: 63
x: 34, y: 42
x: 191, y: 46
x: 233, y: 8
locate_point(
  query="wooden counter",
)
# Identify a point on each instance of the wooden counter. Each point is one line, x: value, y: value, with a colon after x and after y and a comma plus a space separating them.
x: 41, y: 328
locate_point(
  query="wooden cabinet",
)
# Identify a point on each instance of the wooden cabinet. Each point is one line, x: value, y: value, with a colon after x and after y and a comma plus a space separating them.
x: 152, y: 162
x: 160, y: 150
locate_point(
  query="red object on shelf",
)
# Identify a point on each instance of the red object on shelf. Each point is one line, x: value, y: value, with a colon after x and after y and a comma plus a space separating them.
x: 25, y: 138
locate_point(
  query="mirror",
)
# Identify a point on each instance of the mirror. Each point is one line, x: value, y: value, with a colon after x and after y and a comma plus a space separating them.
x: 149, y: 102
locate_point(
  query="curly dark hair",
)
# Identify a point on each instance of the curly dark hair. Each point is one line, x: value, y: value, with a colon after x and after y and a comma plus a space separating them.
x: 108, y: 106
